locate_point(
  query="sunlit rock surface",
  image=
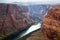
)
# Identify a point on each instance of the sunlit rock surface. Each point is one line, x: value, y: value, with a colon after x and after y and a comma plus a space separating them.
x: 51, y: 23
x: 37, y: 35
x: 13, y: 18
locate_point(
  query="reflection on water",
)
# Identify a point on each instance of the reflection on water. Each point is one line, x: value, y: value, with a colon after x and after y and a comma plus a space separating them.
x: 31, y: 29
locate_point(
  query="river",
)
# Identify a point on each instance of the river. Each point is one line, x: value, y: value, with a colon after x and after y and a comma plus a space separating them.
x: 24, y: 32
x: 30, y: 30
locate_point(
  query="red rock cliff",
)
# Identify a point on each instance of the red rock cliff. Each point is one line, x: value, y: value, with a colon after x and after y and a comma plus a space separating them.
x: 13, y: 18
x: 51, y: 23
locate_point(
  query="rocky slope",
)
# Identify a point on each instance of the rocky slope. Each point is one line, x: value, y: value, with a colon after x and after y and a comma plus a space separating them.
x: 38, y: 11
x: 37, y: 35
x: 51, y: 23
x: 13, y: 18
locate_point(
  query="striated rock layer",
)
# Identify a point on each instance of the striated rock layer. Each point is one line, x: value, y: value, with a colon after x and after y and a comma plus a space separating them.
x: 13, y: 18
x: 51, y: 23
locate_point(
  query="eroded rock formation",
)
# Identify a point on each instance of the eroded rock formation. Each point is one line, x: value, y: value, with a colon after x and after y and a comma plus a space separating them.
x: 51, y: 23
x: 13, y: 18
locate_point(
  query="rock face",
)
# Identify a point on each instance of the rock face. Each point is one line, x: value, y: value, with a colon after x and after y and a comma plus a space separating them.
x: 13, y: 18
x: 51, y: 23
x: 38, y: 11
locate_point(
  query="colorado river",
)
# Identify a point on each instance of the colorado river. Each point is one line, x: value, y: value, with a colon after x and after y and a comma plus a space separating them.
x: 23, y: 33
x: 31, y: 29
